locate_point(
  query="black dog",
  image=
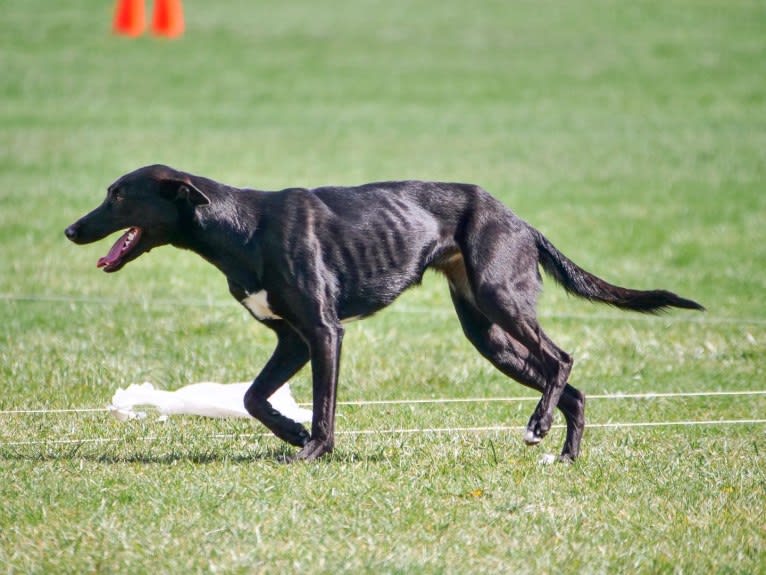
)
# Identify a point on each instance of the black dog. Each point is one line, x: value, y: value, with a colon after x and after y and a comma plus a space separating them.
x: 303, y: 261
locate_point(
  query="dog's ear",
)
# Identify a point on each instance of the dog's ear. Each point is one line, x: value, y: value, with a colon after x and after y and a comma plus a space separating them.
x: 184, y: 190
x: 192, y: 194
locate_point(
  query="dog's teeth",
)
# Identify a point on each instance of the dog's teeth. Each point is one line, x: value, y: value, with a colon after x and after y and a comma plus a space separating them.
x: 128, y: 240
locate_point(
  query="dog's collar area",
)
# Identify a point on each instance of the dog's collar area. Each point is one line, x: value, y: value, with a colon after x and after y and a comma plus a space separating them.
x: 122, y: 247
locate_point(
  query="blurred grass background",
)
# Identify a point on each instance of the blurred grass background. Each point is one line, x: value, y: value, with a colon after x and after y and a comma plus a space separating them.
x: 632, y: 134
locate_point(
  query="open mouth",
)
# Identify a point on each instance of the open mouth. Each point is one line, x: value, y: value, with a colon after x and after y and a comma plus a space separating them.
x: 116, y: 257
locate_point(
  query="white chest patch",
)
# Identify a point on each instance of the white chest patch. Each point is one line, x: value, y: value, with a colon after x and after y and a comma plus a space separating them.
x: 258, y: 305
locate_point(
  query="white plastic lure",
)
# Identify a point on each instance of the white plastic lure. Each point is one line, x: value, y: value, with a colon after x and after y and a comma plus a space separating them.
x: 207, y: 399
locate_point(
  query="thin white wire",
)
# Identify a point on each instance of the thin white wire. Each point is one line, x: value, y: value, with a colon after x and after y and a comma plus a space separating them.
x: 54, y: 411
x: 43, y: 298
x: 408, y: 431
x: 443, y: 400
x: 438, y: 430
x: 650, y: 395
x: 607, y: 425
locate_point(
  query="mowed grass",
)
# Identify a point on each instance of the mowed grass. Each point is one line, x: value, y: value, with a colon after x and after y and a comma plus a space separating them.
x: 632, y: 134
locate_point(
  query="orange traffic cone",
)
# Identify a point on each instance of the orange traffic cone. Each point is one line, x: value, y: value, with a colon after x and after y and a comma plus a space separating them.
x: 129, y: 18
x: 168, y: 18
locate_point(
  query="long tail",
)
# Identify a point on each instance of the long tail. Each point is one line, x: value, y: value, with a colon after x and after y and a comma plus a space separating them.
x: 577, y: 281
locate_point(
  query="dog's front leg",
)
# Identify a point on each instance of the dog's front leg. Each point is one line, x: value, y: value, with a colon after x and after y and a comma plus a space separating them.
x: 290, y: 355
x: 325, y: 344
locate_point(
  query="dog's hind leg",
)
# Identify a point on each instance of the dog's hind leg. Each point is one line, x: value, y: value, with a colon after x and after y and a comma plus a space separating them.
x: 518, y: 362
x: 500, y: 259
x: 553, y: 365
x: 290, y: 355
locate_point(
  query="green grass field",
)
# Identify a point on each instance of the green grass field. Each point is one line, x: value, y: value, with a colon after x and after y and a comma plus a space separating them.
x: 633, y: 134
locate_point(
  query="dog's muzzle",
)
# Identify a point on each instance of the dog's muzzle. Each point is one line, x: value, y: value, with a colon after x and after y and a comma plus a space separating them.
x: 72, y: 233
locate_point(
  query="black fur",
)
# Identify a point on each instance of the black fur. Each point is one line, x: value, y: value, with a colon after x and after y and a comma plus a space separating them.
x: 577, y: 281
x: 331, y: 254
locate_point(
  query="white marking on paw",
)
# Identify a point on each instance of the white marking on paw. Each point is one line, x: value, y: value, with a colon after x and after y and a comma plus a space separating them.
x: 258, y: 305
x: 547, y: 459
x: 530, y: 438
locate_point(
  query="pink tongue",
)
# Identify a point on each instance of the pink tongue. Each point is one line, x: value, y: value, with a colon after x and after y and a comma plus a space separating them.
x: 114, y: 254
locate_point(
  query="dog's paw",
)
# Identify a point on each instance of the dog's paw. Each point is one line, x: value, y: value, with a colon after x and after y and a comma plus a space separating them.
x: 537, y: 428
x: 566, y: 458
x: 531, y: 437
x: 312, y: 451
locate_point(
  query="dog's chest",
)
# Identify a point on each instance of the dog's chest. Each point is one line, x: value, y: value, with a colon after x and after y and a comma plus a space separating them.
x: 258, y: 305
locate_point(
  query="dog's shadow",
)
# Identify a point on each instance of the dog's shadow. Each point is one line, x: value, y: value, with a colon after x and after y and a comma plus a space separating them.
x: 279, y: 455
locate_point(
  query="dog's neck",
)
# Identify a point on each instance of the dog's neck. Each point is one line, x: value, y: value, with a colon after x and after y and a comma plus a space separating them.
x: 224, y: 233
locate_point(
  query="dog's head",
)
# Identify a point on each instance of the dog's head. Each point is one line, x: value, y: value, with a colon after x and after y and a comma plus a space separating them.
x: 149, y: 204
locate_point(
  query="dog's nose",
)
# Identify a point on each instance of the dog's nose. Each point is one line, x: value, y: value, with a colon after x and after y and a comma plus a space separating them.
x: 71, y: 232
